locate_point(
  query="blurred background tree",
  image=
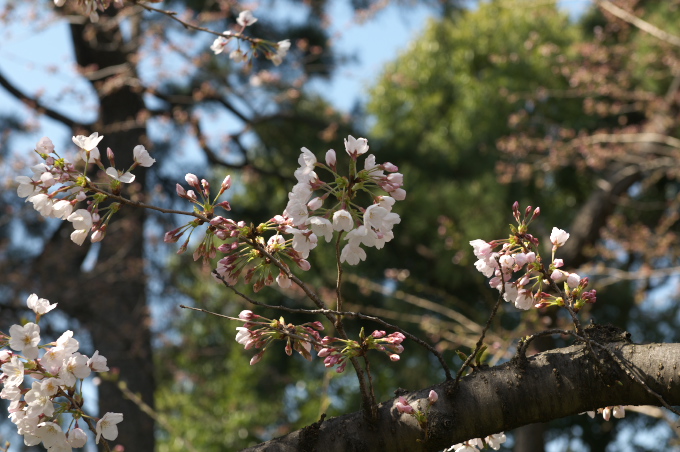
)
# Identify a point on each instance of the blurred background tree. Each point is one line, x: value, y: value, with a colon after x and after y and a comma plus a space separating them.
x: 504, y: 101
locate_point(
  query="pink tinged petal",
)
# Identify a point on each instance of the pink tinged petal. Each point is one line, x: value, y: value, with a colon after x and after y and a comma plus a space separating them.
x: 330, y: 158
x: 573, y: 280
x: 342, y: 221
x: 606, y: 413
x: 77, y: 438
x: 45, y: 145
x: 78, y: 236
x: 399, y: 194
x: 557, y: 276
x: 558, y: 237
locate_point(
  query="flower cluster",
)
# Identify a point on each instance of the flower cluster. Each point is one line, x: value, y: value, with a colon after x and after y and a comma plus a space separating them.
x: 403, y: 406
x: 272, y: 51
x: 56, y: 186
x: 370, y: 226
x: 54, y: 388
x: 519, y: 258
x: 492, y: 441
x: 250, y: 254
x: 90, y: 8
x: 219, y: 226
x: 337, y: 351
x: 259, y: 332
x: 618, y: 411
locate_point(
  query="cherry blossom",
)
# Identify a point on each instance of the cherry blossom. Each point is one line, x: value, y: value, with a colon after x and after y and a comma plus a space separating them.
x: 142, y: 157
x: 246, y: 18
x: 39, y: 305
x: 107, y: 427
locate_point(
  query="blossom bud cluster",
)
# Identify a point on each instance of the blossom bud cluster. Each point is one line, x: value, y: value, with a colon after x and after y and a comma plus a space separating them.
x: 403, y: 406
x: 258, y: 332
x: 90, y: 8
x: 519, y: 272
x: 56, y: 186
x: 336, y: 351
x: 493, y: 441
x: 249, y: 255
x: 272, y: 51
x: 53, y: 388
x: 219, y: 226
x: 618, y: 411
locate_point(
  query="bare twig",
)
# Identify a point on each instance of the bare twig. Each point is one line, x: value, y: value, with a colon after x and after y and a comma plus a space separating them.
x: 349, y: 314
x: 641, y: 24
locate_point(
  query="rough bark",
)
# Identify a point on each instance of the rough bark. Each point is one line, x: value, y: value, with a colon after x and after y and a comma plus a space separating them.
x: 550, y: 385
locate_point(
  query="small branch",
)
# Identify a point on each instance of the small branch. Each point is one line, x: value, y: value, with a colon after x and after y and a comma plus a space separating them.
x: 147, y: 206
x: 648, y: 137
x: 39, y: 108
x: 349, y: 314
x: 137, y: 400
x: 173, y: 15
x: 478, y: 346
x: 641, y: 24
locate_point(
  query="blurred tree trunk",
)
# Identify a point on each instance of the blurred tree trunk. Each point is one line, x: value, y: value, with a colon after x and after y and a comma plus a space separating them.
x: 110, y: 298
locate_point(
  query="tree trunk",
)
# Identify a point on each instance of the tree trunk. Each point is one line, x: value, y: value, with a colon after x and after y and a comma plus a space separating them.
x: 546, y: 386
x: 110, y: 299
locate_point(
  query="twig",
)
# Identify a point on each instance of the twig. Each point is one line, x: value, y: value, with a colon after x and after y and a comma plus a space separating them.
x: 478, y: 346
x: 641, y: 24
x: 350, y: 314
x: 173, y: 15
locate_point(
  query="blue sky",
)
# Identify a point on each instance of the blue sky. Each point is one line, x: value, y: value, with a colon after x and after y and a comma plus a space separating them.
x: 26, y: 56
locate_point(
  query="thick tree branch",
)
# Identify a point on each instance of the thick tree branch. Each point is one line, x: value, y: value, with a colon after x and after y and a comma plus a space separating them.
x: 550, y: 385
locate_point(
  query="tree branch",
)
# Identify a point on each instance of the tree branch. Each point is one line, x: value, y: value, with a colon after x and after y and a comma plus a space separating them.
x: 641, y: 24
x: 502, y: 398
x: 39, y: 108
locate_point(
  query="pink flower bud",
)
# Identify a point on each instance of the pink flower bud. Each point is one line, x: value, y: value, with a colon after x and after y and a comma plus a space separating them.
x: 181, y: 191
x: 330, y: 158
x: 395, y: 357
x: 573, y: 280
x: 403, y: 406
x: 226, y: 183
x: 256, y: 359
x: 225, y: 205
x: 378, y: 334
x: 246, y: 315
x: 304, y: 264
x: 391, y: 167
x: 399, y: 194
x: 433, y: 396
x: 45, y: 146
x: 315, y: 203
x: 191, y: 195
x: 557, y: 276
x: 111, y: 156
x: 192, y: 180
x: 606, y: 413
x: 98, y: 235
